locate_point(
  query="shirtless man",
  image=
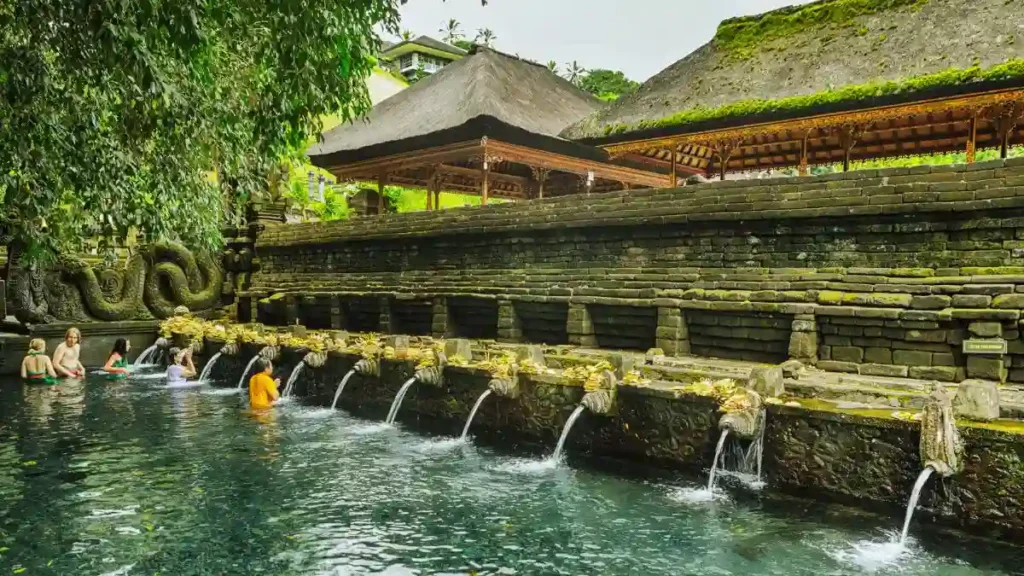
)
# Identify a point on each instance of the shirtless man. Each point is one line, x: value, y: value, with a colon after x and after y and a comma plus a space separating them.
x: 65, y: 357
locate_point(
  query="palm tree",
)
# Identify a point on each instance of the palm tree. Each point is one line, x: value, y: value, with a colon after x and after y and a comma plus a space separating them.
x: 452, y: 31
x: 406, y: 34
x: 485, y: 36
x: 574, y: 72
x: 553, y: 66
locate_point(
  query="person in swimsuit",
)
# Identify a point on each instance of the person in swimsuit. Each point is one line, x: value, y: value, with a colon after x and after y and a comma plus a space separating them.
x: 182, y: 369
x: 36, y: 367
x: 117, y: 363
x: 66, y: 357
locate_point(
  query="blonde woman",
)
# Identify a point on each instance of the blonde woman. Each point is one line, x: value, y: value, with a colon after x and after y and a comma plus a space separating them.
x: 66, y: 357
x: 36, y: 367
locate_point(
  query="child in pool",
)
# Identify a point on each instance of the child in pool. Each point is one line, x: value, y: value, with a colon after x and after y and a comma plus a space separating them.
x: 117, y: 362
x: 182, y: 369
x: 262, y: 387
x: 66, y: 357
x: 37, y: 367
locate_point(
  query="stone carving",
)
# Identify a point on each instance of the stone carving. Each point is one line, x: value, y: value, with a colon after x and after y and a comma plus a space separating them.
x: 153, y: 281
x: 766, y: 381
x: 230, y: 349
x: 270, y: 353
x: 368, y: 367
x: 433, y: 375
x: 506, y: 388
x: 600, y: 397
x: 315, y: 359
x: 941, y: 446
x: 744, y: 414
x: 977, y: 400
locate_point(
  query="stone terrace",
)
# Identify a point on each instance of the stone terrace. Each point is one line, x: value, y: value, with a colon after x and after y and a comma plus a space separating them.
x: 878, y: 273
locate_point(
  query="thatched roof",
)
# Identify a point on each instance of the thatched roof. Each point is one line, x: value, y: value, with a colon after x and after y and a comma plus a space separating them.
x: 485, y: 94
x: 812, y: 49
x: 425, y: 41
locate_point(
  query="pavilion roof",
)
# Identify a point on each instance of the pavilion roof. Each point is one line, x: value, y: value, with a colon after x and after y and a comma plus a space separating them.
x: 796, y: 61
x: 488, y: 93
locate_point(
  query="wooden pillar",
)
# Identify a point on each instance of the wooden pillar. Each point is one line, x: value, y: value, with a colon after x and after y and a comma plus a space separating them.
x: 972, y: 140
x: 804, y: 170
x: 485, y: 174
x: 724, y: 151
x: 673, y: 179
x: 382, y: 181
x: 430, y: 193
x: 848, y: 136
x: 540, y: 176
x: 437, y: 196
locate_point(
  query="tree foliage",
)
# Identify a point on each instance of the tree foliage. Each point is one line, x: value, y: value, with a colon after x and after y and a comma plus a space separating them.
x: 157, y: 116
x: 607, y: 84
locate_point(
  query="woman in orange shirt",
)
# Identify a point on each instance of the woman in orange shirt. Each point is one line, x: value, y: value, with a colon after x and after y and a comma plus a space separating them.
x: 262, y: 387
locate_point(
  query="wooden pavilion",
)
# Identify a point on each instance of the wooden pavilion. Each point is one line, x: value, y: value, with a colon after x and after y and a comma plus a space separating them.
x: 900, y: 78
x: 487, y: 124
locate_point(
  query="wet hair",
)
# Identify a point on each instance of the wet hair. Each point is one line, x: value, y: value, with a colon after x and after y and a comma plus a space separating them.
x: 73, y: 332
x: 120, y: 348
x: 263, y: 364
x: 37, y: 345
x: 176, y: 355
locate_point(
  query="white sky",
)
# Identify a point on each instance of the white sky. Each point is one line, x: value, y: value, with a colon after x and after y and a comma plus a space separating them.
x: 639, y: 37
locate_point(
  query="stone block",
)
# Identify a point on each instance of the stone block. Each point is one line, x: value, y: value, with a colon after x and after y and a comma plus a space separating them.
x: 884, y: 370
x: 833, y: 366
x: 1008, y: 301
x: 985, y: 368
x: 458, y: 347
x: 940, y: 373
x: 931, y: 302
x: 911, y: 358
x: 977, y: 400
x: 848, y: 354
x: 803, y: 346
x: 766, y: 381
x: 986, y: 329
x: 876, y: 355
x: 804, y: 326
x: 971, y: 301
x: 943, y: 359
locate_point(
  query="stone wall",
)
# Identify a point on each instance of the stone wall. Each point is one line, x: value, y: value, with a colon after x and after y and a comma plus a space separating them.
x: 830, y: 455
x: 876, y: 272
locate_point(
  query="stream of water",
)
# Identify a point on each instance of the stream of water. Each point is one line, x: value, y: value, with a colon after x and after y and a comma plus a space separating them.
x: 209, y: 366
x: 472, y: 414
x: 341, y: 388
x: 241, y: 379
x: 397, y: 402
x: 290, y: 385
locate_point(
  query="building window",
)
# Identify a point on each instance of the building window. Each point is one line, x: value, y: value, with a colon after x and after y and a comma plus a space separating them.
x: 405, y: 61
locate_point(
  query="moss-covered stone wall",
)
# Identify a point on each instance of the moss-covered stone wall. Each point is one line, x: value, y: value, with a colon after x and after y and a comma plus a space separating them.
x: 876, y: 272
x: 825, y: 454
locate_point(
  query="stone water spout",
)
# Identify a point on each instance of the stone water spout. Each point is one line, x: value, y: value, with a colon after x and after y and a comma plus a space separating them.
x: 744, y: 412
x: 270, y: 353
x: 506, y: 388
x: 315, y: 359
x: 601, y: 395
x: 230, y: 349
x: 433, y: 375
x: 509, y: 387
x: 941, y: 446
x: 368, y: 367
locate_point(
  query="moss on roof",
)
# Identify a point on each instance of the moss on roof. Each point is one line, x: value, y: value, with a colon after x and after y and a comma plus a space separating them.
x: 952, y: 77
x: 822, y: 53
x: 743, y: 36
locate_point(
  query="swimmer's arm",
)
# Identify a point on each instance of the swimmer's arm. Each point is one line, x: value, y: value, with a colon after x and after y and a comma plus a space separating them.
x: 109, y: 366
x: 24, y: 367
x: 58, y: 356
x: 49, y: 367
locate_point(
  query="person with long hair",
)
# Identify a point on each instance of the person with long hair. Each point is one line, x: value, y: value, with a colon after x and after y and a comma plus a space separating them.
x: 36, y: 367
x: 66, y: 357
x: 182, y: 369
x: 117, y: 362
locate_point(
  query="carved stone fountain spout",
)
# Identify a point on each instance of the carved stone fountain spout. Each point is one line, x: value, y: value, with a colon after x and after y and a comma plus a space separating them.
x: 433, y: 375
x: 600, y: 398
x: 941, y: 446
x: 315, y: 359
x: 743, y: 414
x: 230, y: 349
x: 270, y: 353
x: 368, y: 367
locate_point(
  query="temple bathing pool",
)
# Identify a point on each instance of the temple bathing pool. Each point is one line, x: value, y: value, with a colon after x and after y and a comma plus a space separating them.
x: 132, y: 478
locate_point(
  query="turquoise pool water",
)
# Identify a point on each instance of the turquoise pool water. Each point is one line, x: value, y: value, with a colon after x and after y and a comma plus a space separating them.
x: 132, y: 478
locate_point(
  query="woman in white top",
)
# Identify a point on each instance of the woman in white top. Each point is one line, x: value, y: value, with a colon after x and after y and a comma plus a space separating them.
x: 182, y: 369
x: 65, y: 357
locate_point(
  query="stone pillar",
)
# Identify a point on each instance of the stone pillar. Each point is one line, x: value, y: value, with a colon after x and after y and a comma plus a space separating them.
x: 338, y: 320
x: 803, y: 341
x: 386, y: 324
x: 987, y: 366
x: 509, y: 329
x: 672, y: 336
x: 580, y: 327
x: 291, y: 309
x: 439, y: 324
